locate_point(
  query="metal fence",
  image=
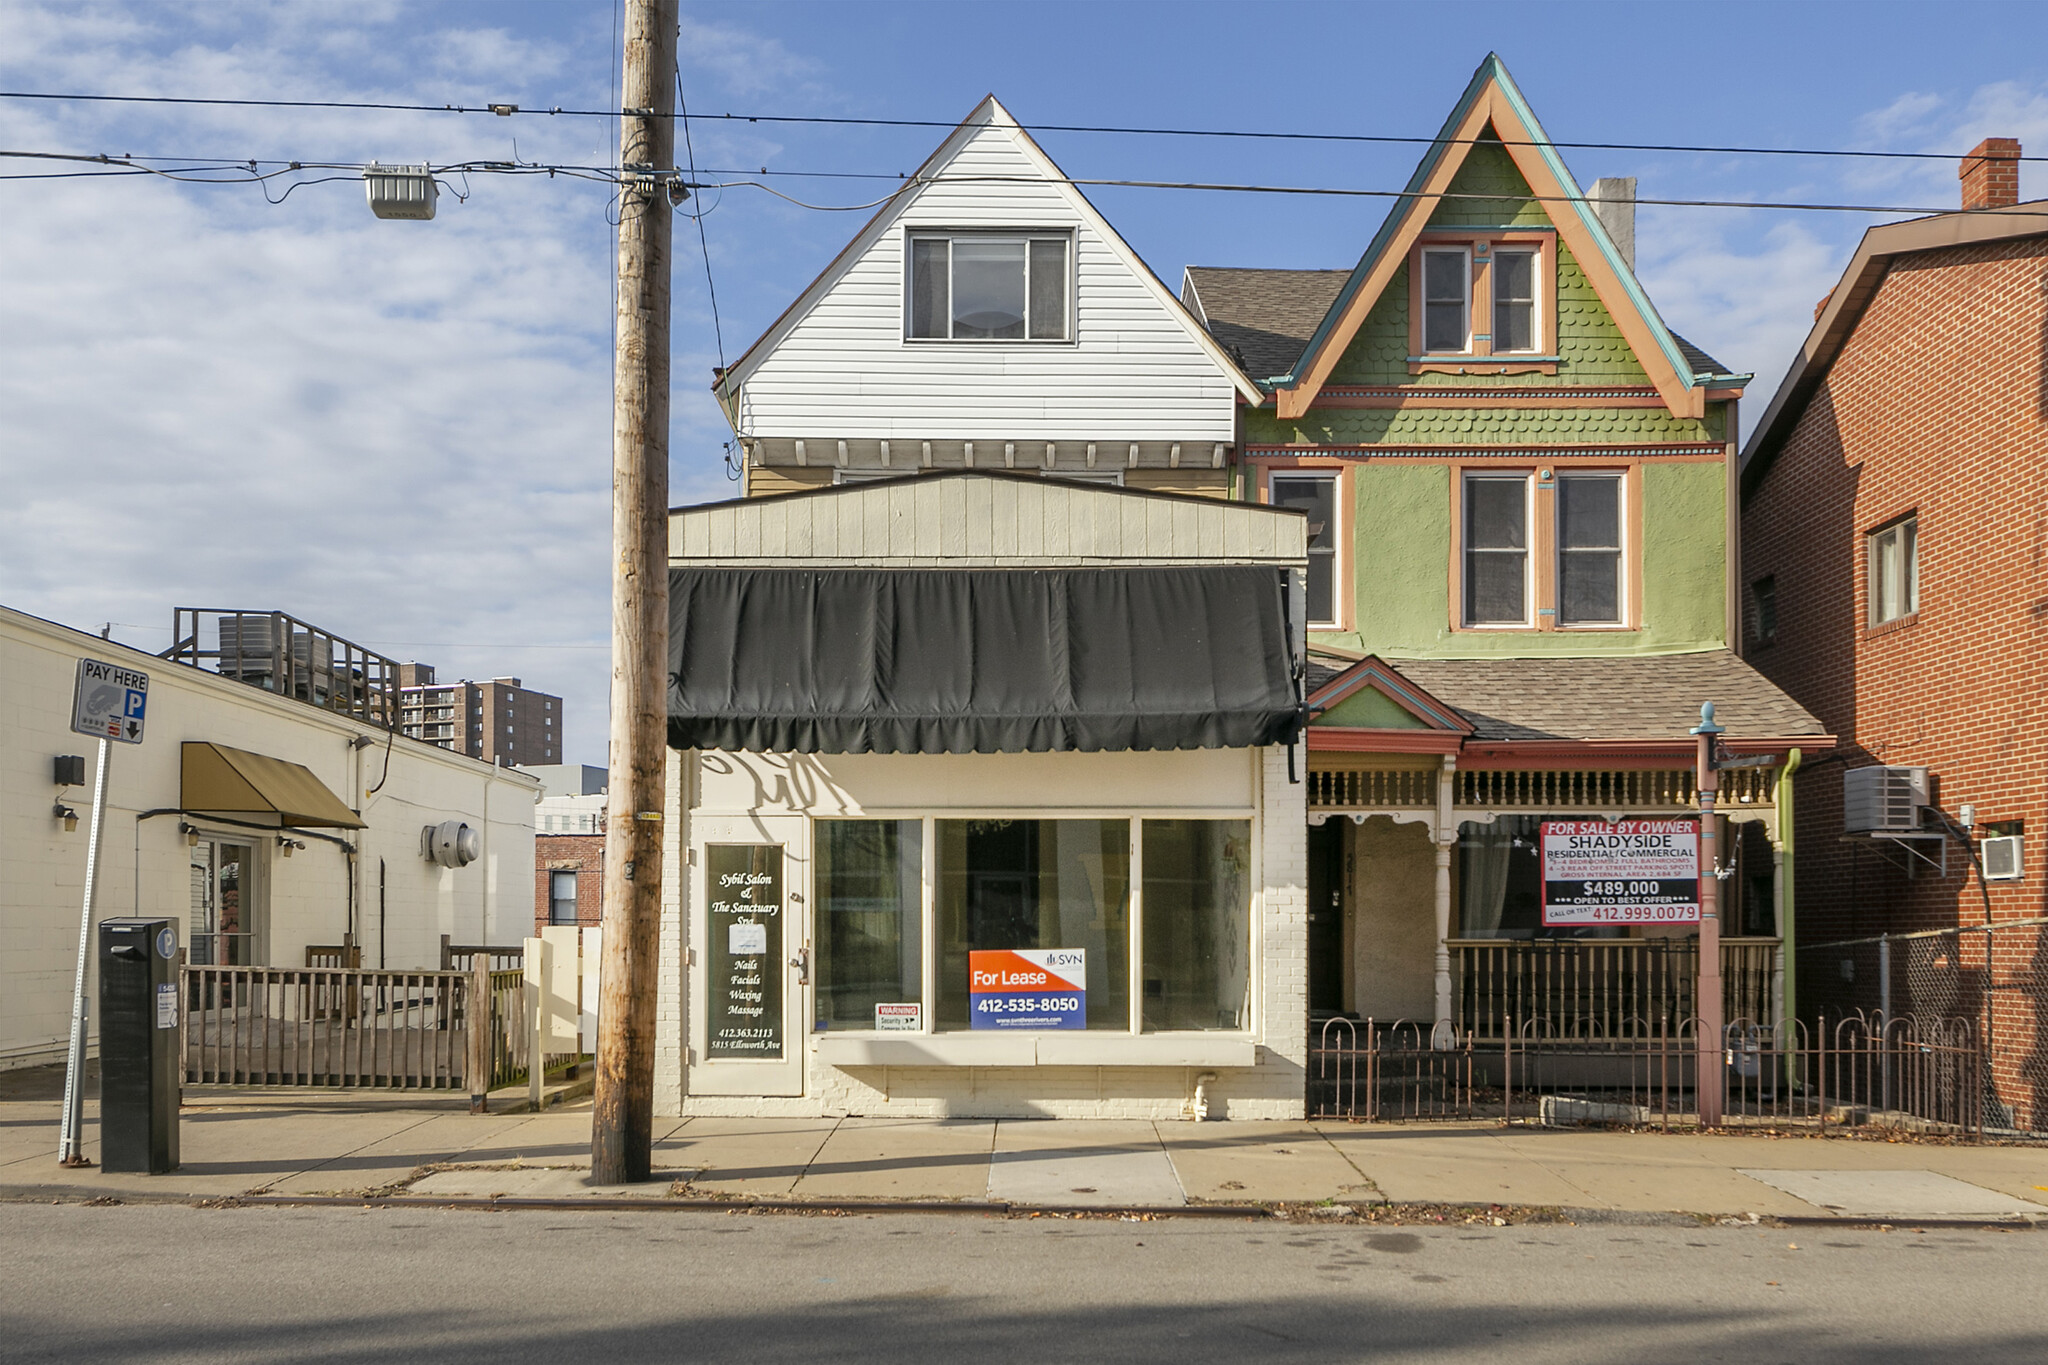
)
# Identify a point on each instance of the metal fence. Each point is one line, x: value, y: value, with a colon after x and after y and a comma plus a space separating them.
x: 1901, y: 1074
x: 1991, y: 978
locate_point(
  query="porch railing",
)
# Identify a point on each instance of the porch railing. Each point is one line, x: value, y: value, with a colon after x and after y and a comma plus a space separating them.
x: 290, y: 1026
x: 1602, y: 988
x: 1484, y: 789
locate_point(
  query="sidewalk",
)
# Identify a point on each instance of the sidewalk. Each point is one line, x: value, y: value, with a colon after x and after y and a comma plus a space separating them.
x: 257, y: 1144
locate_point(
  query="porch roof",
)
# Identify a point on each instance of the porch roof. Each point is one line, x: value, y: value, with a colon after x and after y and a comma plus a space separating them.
x: 1616, y: 697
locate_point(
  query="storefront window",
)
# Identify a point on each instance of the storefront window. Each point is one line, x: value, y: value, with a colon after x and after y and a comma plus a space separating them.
x: 1197, y: 884
x: 1035, y: 884
x: 869, y: 911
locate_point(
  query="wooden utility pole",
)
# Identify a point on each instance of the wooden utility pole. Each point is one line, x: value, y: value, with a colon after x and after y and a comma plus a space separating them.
x: 622, y: 1128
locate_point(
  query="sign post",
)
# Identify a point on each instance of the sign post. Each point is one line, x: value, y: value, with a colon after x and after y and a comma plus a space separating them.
x: 111, y: 704
x: 1711, y: 1078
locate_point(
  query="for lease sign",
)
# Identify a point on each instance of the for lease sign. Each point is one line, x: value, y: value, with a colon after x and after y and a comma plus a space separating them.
x: 1626, y: 872
x: 1028, y: 988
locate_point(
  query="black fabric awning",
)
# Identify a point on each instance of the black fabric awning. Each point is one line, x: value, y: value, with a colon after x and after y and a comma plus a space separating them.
x: 979, y: 660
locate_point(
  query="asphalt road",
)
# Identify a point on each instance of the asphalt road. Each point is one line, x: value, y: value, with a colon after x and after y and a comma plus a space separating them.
x: 346, y: 1285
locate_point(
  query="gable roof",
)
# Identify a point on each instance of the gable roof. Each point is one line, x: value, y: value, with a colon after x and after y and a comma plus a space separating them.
x: 1492, y: 100
x: 1836, y: 321
x: 985, y: 115
x: 1375, y: 673
x: 1266, y: 317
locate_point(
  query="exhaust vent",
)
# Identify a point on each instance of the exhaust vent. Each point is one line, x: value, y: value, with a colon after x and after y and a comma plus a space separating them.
x: 2001, y: 858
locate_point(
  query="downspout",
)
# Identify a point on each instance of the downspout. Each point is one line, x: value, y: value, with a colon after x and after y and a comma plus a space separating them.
x: 1443, y: 1036
x: 1788, y: 947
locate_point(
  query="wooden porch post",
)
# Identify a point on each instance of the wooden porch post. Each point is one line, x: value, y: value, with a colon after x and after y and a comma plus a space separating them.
x: 1444, y: 1034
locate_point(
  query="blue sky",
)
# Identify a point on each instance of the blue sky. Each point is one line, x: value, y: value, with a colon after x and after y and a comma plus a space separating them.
x: 401, y: 431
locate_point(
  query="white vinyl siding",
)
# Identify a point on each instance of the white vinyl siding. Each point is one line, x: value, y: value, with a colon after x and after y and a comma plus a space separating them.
x: 845, y: 369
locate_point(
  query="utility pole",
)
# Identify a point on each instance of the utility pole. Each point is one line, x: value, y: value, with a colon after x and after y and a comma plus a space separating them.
x: 1711, y: 1080
x: 622, y: 1127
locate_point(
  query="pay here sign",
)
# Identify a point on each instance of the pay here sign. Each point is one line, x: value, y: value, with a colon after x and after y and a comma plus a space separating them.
x: 1627, y: 872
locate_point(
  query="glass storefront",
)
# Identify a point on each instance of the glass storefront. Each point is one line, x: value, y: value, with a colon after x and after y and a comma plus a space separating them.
x: 1036, y: 886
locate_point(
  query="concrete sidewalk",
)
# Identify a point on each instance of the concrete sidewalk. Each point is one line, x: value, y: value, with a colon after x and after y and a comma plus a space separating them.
x: 276, y: 1143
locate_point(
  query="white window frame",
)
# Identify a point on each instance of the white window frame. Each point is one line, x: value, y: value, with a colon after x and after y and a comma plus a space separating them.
x: 1535, y: 255
x: 1026, y: 236
x: 1135, y: 988
x: 1338, y: 558
x: 1464, y: 255
x: 1527, y: 478
x: 1621, y: 551
x: 1903, y: 530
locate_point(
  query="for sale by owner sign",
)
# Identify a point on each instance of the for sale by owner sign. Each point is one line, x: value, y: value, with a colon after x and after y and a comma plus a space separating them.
x: 1624, y: 872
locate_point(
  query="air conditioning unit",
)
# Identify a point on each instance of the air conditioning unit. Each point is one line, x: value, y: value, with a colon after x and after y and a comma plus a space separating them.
x: 1883, y: 800
x: 2001, y: 858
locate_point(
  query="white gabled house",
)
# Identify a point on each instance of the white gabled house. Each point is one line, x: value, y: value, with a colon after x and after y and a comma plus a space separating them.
x: 988, y: 317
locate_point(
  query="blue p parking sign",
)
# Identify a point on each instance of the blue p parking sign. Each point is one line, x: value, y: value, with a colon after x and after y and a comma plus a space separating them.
x: 111, y: 702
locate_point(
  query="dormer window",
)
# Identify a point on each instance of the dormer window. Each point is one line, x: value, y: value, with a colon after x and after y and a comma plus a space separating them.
x: 1483, y: 302
x: 1446, y: 302
x: 988, y: 286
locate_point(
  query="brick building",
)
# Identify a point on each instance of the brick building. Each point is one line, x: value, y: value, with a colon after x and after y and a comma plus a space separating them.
x: 499, y: 721
x: 1892, y: 554
x: 568, y: 879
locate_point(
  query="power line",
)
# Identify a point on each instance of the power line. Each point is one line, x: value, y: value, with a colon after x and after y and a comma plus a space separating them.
x: 248, y: 173
x: 513, y: 110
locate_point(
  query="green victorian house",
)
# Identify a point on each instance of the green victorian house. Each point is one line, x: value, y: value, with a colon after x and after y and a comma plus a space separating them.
x: 1521, y: 488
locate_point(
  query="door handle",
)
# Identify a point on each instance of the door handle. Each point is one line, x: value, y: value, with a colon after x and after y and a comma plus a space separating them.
x: 802, y: 963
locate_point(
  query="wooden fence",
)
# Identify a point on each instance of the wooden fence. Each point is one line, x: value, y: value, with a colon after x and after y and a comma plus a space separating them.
x: 400, y: 1030
x: 1603, y: 988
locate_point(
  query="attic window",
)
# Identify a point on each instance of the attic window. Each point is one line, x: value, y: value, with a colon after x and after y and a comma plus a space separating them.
x: 988, y: 287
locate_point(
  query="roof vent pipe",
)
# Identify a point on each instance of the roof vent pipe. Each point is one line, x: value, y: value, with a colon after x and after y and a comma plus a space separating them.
x: 1614, y: 201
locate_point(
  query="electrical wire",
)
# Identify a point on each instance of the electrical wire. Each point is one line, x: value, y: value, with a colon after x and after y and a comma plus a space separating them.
x: 511, y: 110
x: 732, y: 471
x: 249, y: 172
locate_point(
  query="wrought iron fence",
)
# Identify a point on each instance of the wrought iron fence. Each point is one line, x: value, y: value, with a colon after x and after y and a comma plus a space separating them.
x: 1854, y: 1072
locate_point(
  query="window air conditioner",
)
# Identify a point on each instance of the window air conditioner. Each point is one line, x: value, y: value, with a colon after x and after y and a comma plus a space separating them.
x: 2001, y: 858
x: 1883, y: 800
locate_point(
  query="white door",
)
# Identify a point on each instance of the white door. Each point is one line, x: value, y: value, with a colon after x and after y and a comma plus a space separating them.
x: 750, y: 954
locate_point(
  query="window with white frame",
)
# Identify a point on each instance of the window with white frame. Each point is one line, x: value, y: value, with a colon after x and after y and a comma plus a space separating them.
x: 1514, y: 300
x: 1316, y: 495
x: 1589, y: 551
x: 1446, y: 301
x: 561, y: 897
x: 1496, y: 535
x: 989, y: 287
x: 1894, y: 552
x: 1174, y: 921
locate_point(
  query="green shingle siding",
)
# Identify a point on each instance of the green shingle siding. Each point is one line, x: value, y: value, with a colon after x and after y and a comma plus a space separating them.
x: 1480, y: 426
x: 1488, y: 169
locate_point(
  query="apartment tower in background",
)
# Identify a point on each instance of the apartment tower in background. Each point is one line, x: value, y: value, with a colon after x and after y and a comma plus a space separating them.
x: 498, y: 721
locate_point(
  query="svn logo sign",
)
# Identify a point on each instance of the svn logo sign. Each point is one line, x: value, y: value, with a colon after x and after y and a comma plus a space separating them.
x: 111, y: 702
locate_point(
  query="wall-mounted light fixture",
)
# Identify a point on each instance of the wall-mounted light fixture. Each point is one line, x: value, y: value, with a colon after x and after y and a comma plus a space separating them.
x: 288, y: 845
x: 67, y: 815
x: 191, y: 835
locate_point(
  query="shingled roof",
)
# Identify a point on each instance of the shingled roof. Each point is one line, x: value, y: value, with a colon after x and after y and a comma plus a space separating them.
x: 1264, y: 317
x: 1637, y: 697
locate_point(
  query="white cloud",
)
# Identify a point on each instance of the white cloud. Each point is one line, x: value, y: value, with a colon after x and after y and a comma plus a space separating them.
x: 399, y: 431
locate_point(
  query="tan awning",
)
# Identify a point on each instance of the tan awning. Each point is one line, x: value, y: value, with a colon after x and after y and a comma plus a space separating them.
x: 216, y: 778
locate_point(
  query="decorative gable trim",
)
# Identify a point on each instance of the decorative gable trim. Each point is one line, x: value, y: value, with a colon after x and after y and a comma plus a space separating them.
x: 1378, y: 674
x: 988, y: 114
x: 1492, y: 99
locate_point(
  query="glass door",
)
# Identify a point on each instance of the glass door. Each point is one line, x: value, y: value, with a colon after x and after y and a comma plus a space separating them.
x: 225, y: 920
x: 751, y: 955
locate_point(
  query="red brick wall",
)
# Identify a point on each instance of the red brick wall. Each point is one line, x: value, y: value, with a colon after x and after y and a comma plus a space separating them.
x: 1938, y: 404
x: 581, y: 853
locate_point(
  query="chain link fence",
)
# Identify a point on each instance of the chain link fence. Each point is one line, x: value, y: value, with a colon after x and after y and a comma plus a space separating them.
x: 1992, y: 979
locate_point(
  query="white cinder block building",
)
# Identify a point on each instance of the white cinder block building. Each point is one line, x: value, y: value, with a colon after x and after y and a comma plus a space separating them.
x: 262, y: 824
